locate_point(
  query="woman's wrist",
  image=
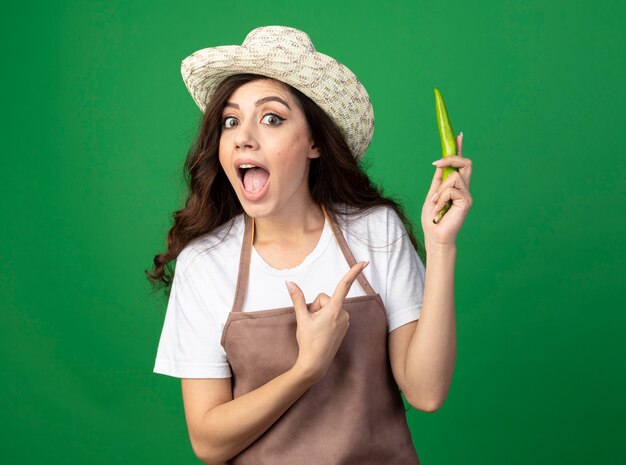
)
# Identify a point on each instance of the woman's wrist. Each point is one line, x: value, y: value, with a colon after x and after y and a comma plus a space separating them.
x: 304, y: 374
x: 436, y: 249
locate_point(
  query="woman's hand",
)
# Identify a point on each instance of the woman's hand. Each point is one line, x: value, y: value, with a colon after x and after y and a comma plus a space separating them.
x: 322, y: 327
x: 455, y: 188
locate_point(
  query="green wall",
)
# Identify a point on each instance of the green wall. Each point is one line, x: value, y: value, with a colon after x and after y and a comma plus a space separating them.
x: 95, y: 129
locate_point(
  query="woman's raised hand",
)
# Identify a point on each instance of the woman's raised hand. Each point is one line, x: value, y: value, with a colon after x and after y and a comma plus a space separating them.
x: 454, y: 189
x: 322, y: 327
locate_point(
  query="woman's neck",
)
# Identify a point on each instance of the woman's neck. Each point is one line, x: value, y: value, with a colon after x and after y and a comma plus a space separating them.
x: 291, y: 225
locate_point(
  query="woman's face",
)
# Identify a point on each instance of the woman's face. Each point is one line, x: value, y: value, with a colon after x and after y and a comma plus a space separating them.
x: 265, y: 148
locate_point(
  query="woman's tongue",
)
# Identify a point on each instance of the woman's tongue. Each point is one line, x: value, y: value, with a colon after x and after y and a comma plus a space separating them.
x: 254, y: 179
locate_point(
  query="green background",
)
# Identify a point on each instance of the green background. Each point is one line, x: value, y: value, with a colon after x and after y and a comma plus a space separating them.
x: 96, y: 125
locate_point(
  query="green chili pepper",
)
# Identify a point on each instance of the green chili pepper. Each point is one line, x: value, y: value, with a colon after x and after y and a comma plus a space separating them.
x: 448, y: 145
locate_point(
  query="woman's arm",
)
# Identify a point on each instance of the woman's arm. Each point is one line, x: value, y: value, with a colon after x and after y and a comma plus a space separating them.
x: 423, y: 353
x: 220, y: 427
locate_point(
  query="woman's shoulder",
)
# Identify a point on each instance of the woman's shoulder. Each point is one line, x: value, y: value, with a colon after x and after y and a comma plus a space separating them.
x: 376, y: 226
x: 371, y: 217
x: 211, y: 250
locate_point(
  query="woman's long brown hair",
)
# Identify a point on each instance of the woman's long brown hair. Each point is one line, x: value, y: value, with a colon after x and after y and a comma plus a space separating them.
x: 334, y: 178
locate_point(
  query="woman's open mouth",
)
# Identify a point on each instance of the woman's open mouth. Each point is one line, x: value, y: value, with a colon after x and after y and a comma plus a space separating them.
x: 254, y: 181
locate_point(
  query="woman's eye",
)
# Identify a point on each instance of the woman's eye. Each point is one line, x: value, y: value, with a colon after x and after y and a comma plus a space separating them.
x: 272, y: 119
x: 230, y: 121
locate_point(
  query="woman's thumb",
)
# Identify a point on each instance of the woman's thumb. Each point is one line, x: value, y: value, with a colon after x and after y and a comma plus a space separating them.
x: 297, y: 297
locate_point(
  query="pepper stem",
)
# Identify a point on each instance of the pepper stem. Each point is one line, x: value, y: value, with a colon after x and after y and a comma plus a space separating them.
x: 442, y: 212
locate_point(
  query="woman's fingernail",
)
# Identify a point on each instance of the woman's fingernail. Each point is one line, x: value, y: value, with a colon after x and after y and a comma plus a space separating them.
x: 365, y: 266
x: 438, y: 162
x: 434, y: 197
x: 290, y: 286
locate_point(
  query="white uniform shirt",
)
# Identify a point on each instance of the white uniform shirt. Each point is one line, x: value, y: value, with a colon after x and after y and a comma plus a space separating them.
x: 205, y: 279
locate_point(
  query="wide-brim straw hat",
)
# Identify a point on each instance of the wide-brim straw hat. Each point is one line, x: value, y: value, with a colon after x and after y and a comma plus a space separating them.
x: 288, y: 55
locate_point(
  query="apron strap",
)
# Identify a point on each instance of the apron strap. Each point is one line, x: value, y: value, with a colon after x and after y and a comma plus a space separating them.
x: 246, y: 251
x: 244, y: 264
x: 347, y: 253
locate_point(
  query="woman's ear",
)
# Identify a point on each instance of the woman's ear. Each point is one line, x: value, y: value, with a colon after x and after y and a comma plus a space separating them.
x: 314, y: 152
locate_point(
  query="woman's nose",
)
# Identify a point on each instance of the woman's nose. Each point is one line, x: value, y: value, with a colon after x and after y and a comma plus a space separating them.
x: 245, y: 137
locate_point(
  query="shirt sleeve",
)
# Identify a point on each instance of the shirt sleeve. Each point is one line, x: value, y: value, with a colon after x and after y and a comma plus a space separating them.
x: 189, y: 346
x: 405, y: 277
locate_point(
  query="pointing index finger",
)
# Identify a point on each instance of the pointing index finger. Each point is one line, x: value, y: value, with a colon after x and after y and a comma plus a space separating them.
x: 342, y: 289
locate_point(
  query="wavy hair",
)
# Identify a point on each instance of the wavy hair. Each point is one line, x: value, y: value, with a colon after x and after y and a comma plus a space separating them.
x: 334, y: 178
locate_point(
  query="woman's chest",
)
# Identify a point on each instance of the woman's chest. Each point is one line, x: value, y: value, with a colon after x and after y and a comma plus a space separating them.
x: 317, y: 274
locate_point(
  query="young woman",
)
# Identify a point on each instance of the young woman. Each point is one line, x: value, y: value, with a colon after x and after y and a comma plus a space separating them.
x: 292, y: 316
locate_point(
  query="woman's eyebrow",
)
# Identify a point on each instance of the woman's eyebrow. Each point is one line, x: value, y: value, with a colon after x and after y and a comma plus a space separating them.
x: 269, y: 99
x: 260, y: 102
